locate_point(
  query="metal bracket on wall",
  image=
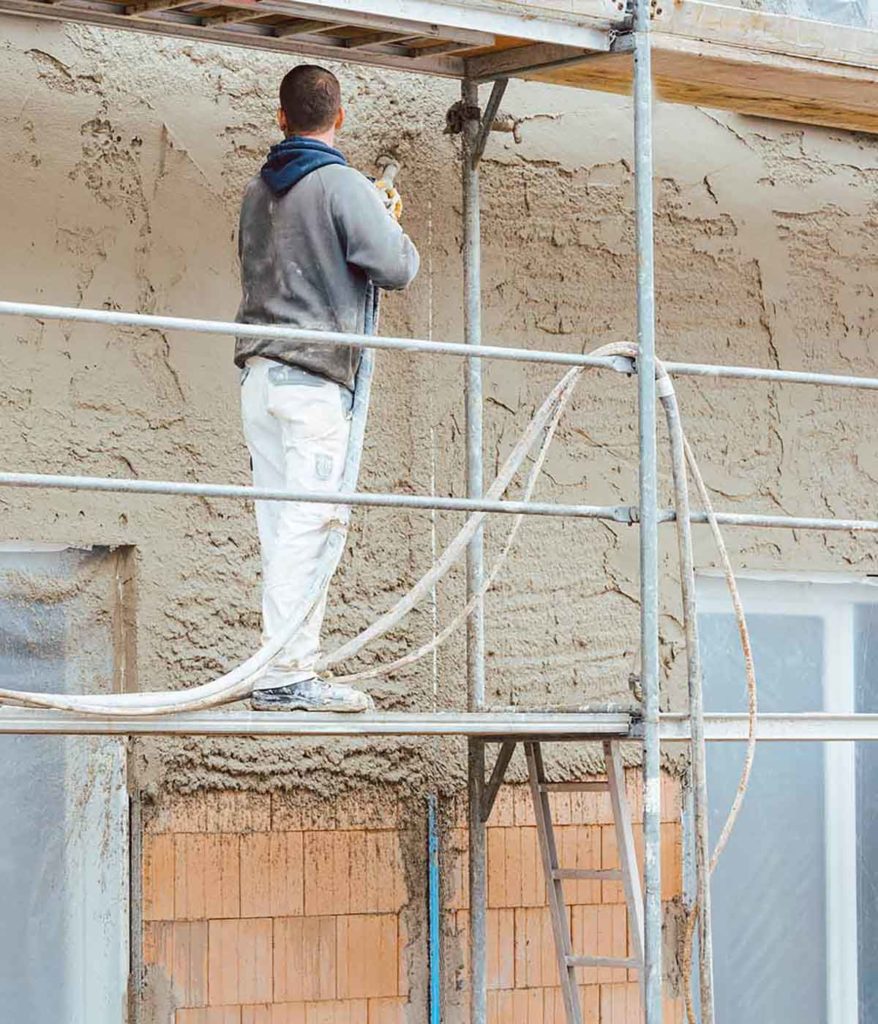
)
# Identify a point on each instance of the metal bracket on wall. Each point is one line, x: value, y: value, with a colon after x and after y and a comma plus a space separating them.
x: 622, y: 42
x: 459, y: 113
x: 487, y: 122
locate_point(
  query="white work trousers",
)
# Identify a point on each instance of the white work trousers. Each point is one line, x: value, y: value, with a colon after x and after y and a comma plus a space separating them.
x: 296, y: 426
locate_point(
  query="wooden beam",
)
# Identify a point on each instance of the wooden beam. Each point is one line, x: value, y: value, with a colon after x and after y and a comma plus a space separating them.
x: 151, y: 6
x: 235, y: 16
x: 380, y: 37
x: 238, y: 15
x: 304, y: 28
x: 435, y: 49
x: 522, y: 59
x: 387, y: 19
x: 478, y: 22
x: 171, y: 24
x: 697, y: 73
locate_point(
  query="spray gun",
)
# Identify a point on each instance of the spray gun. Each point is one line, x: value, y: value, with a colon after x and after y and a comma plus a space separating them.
x: 388, y: 168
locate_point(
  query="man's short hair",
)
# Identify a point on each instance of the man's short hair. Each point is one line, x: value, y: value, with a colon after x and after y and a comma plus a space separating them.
x: 310, y: 97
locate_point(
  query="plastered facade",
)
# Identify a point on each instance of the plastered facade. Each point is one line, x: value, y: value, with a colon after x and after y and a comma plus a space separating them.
x: 123, y: 158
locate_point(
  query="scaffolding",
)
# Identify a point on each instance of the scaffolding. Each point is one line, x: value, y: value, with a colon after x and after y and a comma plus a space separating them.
x: 480, y: 724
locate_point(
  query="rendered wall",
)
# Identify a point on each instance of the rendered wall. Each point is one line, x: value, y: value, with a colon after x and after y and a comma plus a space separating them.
x: 123, y: 159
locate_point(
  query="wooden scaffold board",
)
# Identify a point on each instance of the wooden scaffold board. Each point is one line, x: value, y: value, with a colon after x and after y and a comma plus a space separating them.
x: 704, y: 54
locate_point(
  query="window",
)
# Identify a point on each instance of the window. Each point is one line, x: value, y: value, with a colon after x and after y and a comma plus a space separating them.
x: 63, y: 802
x: 795, y: 896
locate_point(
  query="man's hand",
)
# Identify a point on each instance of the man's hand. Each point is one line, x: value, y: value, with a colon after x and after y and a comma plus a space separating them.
x: 390, y: 197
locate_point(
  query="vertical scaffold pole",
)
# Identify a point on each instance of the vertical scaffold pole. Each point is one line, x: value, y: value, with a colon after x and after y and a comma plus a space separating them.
x: 475, y: 637
x: 643, y: 178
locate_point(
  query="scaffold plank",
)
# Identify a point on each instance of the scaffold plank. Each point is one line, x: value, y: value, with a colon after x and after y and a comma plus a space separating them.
x: 750, y: 62
x: 704, y: 54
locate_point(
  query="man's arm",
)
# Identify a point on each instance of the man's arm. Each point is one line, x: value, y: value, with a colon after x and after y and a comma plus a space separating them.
x: 373, y: 240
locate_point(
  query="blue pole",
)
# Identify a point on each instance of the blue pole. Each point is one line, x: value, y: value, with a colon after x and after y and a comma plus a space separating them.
x: 433, y: 912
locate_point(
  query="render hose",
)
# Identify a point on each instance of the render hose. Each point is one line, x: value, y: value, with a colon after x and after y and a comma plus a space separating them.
x: 238, y: 682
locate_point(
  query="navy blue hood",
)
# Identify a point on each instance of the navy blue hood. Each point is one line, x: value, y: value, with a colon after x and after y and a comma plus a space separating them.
x: 294, y: 158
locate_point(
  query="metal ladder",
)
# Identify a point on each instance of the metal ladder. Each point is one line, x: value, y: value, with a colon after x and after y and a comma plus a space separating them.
x: 628, y: 873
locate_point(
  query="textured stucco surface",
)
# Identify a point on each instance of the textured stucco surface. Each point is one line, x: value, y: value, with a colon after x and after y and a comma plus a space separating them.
x: 122, y: 161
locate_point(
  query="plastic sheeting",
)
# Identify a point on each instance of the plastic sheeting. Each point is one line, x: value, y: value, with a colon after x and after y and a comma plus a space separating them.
x: 795, y: 896
x: 862, y: 13
x: 63, y: 804
x: 838, y: 12
x: 866, y: 669
x: 773, y: 871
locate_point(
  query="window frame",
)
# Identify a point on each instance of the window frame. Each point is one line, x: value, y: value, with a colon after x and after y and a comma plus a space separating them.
x: 832, y: 598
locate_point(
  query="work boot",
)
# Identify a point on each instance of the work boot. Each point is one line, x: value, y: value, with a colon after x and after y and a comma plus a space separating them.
x: 311, y: 695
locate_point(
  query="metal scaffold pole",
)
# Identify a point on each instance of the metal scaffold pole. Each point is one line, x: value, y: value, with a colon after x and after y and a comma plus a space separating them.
x: 643, y: 177
x: 475, y: 637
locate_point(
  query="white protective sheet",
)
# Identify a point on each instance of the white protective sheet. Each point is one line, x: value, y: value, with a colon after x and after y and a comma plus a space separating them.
x: 857, y: 13
x: 63, y: 804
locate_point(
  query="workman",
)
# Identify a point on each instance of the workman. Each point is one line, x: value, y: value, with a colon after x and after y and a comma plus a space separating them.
x: 313, y: 234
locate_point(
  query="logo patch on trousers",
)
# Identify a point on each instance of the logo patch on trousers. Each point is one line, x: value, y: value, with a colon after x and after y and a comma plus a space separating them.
x: 323, y: 466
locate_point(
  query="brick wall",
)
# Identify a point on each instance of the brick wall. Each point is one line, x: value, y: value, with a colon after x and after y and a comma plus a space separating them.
x: 522, y: 968
x: 290, y: 909
x: 264, y: 910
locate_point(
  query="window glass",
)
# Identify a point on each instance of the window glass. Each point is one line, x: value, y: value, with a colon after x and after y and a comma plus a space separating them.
x: 866, y: 670
x: 795, y: 896
x: 768, y: 903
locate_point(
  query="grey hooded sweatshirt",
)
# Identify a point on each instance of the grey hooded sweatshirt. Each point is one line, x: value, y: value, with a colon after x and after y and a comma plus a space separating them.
x: 306, y: 259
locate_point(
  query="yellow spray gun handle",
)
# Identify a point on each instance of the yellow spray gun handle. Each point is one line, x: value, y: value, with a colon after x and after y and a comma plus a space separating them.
x: 387, y: 187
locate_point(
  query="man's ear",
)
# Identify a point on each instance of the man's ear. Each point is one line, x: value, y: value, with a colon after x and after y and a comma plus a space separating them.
x: 282, y: 120
x: 339, y: 121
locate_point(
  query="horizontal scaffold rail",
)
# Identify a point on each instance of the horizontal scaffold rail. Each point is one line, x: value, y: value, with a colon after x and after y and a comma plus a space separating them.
x: 557, y: 726
x: 792, y: 728
x: 626, y: 514
x: 617, y: 513
x: 486, y: 725
x: 148, y: 321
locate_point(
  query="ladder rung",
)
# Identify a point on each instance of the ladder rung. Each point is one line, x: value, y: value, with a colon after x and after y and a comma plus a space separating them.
x: 574, y: 787
x: 602, y: 961
x: 587, y: 874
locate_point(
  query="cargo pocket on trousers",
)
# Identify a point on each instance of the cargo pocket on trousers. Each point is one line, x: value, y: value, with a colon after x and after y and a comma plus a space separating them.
x: 323, y: 465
